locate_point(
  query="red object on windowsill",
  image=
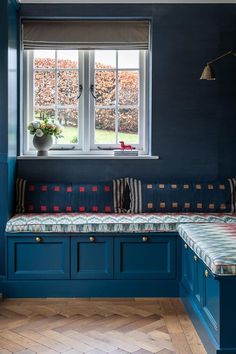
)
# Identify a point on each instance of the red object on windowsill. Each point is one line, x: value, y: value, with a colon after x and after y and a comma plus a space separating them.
x: 123, y: 146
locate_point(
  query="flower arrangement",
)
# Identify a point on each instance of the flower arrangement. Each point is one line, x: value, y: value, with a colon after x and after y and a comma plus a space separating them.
x: 45, y: 127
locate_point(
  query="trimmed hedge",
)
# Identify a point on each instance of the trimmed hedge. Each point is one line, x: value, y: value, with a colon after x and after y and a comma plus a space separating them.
x: 105, y: 93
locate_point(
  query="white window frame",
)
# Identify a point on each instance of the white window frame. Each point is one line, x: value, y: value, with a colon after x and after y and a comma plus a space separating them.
x: 86, y: 106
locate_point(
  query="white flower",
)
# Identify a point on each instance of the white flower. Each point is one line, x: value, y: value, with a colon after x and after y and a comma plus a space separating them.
x: 36, y: 124
x: 57, y: 124
x: 39, y: 133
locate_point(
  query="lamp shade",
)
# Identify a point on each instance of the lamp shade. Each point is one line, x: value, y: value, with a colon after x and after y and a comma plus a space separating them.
x: 208, y: 73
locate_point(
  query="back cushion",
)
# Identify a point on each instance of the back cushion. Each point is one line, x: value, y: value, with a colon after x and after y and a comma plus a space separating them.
x: 121, y: 195
x: 135, y: 191
x: 95, y: 198
x: 187, y: 197
x: 47, y: 197
x: 35, y: 197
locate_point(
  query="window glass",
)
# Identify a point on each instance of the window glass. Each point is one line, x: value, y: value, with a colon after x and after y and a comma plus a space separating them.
x: 44, y: 59
x: 105, y: 59
x: 98, y: 97
x: 117, y: 91
x: 56, y: 90
x: 105, y: 126
x: 128, y: 59
x: 67, y: 59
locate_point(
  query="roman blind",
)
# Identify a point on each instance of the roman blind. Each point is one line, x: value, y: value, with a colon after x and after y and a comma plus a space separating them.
x: 88, y: 34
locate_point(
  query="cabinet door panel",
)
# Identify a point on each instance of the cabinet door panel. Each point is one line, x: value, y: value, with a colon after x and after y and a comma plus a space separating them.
x: 211, y: 295
x: 151, y: 259
x: 198, y: 280
x: 38, y: 257
x: 187, y: 267
x: 92, y: 257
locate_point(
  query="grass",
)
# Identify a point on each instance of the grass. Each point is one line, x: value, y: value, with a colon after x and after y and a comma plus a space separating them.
x: 101, y: 136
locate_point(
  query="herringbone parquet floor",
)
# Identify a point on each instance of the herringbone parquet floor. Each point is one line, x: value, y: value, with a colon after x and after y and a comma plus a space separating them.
x: 96, y: 326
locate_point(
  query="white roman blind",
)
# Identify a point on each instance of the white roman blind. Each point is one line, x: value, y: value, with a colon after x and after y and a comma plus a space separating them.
x: 88, y: 34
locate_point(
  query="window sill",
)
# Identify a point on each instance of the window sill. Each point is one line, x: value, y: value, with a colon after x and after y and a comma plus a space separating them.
x: 86, y: 157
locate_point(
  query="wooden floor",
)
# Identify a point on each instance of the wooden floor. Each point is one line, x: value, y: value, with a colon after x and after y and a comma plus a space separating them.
x: 96, y: 326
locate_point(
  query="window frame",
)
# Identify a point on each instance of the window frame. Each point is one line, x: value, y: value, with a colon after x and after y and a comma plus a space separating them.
x: 86, y: 144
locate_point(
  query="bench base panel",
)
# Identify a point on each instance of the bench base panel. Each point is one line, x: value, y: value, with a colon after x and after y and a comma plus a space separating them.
x: 200, y: 325
x: 90, y: 288
x: 227, y: 340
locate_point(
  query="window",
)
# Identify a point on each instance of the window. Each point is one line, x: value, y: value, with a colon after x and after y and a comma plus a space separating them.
x: 98, y: 95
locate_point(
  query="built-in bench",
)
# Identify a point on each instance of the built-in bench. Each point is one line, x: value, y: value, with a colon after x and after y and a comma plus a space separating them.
x: 208, y: 282
x: 123, y: 223
x: 132, y: 254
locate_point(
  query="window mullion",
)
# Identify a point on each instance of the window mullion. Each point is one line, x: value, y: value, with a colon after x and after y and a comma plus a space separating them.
x: 56, y: 89
x: 143, y: 94
x: 116, y: 107
x: 86, y: 120
x: 29, y: 108
x: 80, y: 103
x: 92, y: 101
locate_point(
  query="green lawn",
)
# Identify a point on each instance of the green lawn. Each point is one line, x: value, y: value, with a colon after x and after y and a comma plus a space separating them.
x: 102, y: 136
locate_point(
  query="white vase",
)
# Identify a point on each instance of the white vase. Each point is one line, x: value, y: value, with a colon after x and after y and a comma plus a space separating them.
x: 42, y: 144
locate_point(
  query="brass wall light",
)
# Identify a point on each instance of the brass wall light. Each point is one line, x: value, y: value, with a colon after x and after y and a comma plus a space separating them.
x: 208, y: 72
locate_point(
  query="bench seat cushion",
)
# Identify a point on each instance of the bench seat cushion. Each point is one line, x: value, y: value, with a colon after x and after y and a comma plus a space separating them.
x: 89, y: 222
x: 215, y: 244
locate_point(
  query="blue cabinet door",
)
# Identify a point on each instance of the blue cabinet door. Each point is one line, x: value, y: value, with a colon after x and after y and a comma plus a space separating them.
x: 187, y: 268
x: 145, y: 257
x: 38, y: 257
x: 211, y: 301
x: 198, y: 280
x: 92, y: 257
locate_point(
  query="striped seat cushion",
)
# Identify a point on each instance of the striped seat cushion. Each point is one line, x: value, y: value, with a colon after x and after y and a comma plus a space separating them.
x: 91, y: 222
x: 215, y: 244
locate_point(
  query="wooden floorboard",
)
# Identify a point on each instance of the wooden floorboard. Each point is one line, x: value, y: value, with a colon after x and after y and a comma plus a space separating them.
x: 97, y: 326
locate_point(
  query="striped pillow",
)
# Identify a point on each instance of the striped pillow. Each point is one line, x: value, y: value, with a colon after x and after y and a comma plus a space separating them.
x: 232, y: 183
x: 121, y: 195
x: 20, y: 195
x: 135, y: 187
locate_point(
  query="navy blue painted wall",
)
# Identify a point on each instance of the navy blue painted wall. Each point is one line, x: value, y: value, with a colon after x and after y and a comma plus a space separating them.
x: 8, y: 113
x: 193, y: 122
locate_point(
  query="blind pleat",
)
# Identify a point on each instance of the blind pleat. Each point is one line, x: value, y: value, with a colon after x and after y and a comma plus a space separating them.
x: 85, y: 34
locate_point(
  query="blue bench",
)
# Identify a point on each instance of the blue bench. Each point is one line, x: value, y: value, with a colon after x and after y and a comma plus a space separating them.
x: 71, y: 254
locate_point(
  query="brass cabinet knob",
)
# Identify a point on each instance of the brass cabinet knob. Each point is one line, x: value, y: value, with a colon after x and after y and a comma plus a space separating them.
x: 195, y: 258
x: 206, y: 273
x: 145, y: 238
x: 185, y: 246
x: 91, y: 238
x: 38, y: 239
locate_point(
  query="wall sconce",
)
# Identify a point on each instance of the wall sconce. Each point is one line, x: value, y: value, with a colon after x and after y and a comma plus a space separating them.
x: 208, y: 72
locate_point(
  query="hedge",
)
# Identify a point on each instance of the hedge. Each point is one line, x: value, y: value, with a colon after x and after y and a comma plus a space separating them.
x: 105, y: 95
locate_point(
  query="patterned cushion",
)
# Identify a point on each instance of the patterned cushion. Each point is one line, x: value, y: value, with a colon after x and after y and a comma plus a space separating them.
x: 96, y: 198
x: 215, y: 244
x: 85, y: 222
x: 108, y: 197
x: 212, y: 197
x: 47, y: 197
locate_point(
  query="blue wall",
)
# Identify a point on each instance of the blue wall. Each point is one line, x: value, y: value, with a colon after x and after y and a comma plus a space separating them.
x: 8, y: 114
x: 193, y: 121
